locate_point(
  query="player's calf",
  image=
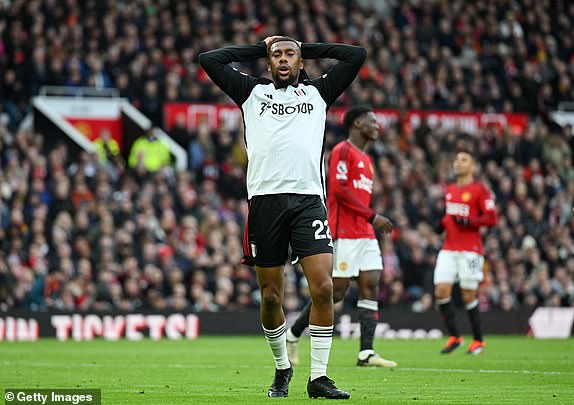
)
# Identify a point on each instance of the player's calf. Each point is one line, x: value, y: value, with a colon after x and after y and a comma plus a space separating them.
x: 292, y: 348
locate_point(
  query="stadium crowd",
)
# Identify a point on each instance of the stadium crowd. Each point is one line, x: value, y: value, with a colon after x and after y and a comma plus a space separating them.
x: 81, y: 232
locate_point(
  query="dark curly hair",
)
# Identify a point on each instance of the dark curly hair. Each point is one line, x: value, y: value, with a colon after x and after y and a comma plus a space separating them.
x: 353, y: 113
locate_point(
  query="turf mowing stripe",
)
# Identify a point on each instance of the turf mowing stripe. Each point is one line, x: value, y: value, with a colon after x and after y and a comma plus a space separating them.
x: 208, y: 366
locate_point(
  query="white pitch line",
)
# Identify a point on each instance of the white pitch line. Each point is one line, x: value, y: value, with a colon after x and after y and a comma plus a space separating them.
x: 213, y: 366
x: 464, y: 370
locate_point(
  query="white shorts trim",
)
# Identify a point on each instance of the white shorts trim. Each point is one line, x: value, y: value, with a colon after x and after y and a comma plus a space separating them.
x: 463, y: 267
x: 351, y: 256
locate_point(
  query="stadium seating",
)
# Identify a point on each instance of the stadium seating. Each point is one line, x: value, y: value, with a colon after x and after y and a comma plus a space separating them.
x: 79, y: 234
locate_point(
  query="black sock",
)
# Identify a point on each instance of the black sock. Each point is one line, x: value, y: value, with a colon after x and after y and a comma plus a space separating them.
x: 302, y: 320
x: 368, y: 314
x: 447, y: 314
x: 474, y: 316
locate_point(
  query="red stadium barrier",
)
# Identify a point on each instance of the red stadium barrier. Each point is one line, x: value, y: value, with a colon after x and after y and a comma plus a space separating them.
x: 396, y: 323
x: 215, y: 115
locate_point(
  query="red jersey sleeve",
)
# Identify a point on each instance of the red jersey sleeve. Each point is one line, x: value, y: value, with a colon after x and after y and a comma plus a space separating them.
x: 487, y: 215
x: 340, y: 164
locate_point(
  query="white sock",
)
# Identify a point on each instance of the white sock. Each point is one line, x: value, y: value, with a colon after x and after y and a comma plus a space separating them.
x: 291, y: 337
x: 321, y: 338
x: 364, y: 354
x: 368, y: 304
x: 278, y: 343
x: 472, y: 305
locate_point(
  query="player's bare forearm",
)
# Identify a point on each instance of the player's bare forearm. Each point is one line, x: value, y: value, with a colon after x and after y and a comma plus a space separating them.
x: 382, y: 223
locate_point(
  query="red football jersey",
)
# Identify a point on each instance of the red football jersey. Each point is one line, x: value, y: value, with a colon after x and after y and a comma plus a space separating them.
x: 474, y: 202
x: 349, y: 193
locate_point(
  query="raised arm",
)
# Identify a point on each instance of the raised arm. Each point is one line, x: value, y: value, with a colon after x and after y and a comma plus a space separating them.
x: 332, y: 84
x: 235, y: 84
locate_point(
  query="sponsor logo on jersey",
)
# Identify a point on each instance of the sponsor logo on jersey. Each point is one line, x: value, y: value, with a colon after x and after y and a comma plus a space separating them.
x: 466, y: 196
x: 281, y: 109
x: 341, y: 171
x: 264, y: 106
x: 457, y: 209
x: 364, y: 183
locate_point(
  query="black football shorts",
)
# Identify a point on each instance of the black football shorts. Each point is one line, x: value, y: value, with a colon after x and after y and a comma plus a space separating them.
x: 276, y: 221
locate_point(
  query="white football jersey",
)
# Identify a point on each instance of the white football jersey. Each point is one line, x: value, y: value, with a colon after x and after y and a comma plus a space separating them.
x: 284, y: 132
x: 284, y: 127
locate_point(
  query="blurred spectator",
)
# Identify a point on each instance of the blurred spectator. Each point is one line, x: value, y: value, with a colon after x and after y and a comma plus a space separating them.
x: 149, y: 152
x: 107, y: 148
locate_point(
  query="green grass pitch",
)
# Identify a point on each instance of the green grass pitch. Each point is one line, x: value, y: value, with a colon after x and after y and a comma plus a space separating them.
x: 232, y: 370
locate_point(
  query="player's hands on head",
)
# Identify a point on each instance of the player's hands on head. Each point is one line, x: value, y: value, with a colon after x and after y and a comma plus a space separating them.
x: 462, y: 221
x: 270, y: 39
x: 381, y: 223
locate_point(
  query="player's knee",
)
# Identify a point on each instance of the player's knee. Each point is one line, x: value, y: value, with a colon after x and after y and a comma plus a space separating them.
x: 441, y: 292
x: 371, y: 293
x: 338, y: 295
x: 468, y: 297
x: 322, y: 291
x: 270, y: 298
x: 340, y: 287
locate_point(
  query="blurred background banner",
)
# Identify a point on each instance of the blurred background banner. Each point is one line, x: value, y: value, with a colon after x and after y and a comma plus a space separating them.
x: 88, y: 115
x: 548, y: 323
x: 396, y: 324
x: 192, y: 115
x: 122, y: 165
